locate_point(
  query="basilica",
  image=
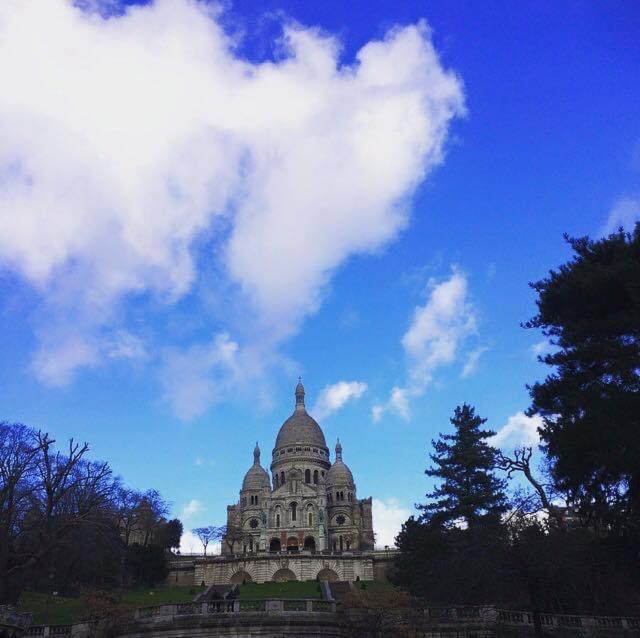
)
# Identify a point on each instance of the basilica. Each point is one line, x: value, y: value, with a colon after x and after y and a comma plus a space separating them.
x: 305, y: 505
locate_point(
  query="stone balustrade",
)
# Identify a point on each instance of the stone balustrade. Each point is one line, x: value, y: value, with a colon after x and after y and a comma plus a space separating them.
x: 488, y: 617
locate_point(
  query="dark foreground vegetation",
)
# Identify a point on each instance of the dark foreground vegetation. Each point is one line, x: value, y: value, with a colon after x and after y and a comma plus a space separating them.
x: 67, y: 524
x: 568, y: 539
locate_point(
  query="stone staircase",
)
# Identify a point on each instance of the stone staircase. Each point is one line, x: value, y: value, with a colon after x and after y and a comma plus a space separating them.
x: 339, y: 589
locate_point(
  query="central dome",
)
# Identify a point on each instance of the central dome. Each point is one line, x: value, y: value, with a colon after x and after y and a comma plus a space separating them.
x: 300, y: 427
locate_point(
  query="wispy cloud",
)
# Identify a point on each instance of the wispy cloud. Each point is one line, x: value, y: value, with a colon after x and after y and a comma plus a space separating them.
x: 471, y: 363
x: 194, y: 506
x: 433, y: 340
x: 625, y: 212
x: 335, y: 396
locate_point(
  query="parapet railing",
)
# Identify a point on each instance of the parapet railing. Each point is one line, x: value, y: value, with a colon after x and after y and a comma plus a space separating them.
x: 568, y: 621
x: 213, y: 607
x: 9, y: 617
x: 486, y: 615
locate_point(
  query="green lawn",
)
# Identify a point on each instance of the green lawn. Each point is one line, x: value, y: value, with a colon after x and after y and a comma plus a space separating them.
x: 374, y: 585
x: 53, y: 610
x: 159, y: 596
x: 291, y: 589
x: 57, y: 610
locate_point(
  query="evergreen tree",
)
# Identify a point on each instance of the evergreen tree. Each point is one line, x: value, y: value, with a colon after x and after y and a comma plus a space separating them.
x: 464, y: 461
x: 590, y: 404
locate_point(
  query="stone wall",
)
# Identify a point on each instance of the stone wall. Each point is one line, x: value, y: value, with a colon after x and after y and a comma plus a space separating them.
x: 260, y: 568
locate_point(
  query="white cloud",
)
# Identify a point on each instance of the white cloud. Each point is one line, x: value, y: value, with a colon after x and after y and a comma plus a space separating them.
x: 433, y: 340
x: 471, y: 364
x: 333, y: 397
x: 122, y: 139
x: 194, y: 378
x: 388, y: 517
x: 625, y: 213
x: 194, y: 506
x: 519, y: 429
x: 540, y: 349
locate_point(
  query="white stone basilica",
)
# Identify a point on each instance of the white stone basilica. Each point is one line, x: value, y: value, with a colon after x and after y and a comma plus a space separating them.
x: 308, y: 505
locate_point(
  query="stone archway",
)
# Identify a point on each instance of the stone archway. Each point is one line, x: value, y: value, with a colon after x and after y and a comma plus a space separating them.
x: 283, y: 575
x: 328, y: 575
x: 310, y: 544
x: 274, y: 545
x: 292, y: 544
x: 240, y: 577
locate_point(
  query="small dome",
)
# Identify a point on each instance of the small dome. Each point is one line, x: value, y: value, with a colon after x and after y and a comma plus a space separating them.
x: 257, y: 477
x: 339, y: 473
x: 300, y: 427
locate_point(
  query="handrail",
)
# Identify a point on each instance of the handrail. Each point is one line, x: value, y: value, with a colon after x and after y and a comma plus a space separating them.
x: 486, y: 614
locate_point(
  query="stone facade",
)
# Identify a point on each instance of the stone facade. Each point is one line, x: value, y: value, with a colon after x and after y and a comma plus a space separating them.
x: 264, y: 568
x: 307, y: 504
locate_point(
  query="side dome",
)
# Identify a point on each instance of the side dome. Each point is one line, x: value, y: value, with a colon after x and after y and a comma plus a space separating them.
x: 257, y: 477
x: 339, y: 473
x: 300, y: 427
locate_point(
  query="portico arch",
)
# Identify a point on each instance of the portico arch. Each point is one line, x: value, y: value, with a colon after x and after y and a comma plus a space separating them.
x: 240, y: 577
x: 274, y: 545
x: 284, y: 575
x: 328, y: 575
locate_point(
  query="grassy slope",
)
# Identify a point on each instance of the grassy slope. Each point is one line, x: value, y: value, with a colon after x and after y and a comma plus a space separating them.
x: 56, y: 610
x: 291, y: 589
x: 69, y: 610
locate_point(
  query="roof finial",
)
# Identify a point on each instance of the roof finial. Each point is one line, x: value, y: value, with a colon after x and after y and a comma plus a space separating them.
x: 338, y: 451
x: 299, y: 395
x: 256, y: 454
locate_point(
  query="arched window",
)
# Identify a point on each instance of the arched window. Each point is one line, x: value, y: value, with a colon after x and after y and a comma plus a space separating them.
x: 310, y: 519
x: 307, y: 476
x: 315, y: 476
x: 275, y: 480
x: 282, y: 481
x: 277, y: 520
x: 294, y: 507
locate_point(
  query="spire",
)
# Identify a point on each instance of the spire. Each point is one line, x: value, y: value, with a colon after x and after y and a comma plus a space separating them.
x: 256, y: 454
x: 338, y: 451
x: 300, y: 395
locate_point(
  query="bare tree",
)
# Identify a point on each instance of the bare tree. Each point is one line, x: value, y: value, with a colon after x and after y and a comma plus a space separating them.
x: 151, y: 511
x: 45, y: 496
x: 231, y: 534
x: 126, y: 505
x: 521, y: 462
x: 206, y: 535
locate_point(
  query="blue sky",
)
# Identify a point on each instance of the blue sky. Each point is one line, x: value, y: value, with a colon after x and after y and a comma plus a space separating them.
x: 198, y: 206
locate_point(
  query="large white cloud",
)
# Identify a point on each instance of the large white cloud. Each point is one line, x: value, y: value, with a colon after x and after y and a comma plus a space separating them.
x: 388, y: 517
x: 434, y: 338
x: 122, y: 140
x: 519, y: 429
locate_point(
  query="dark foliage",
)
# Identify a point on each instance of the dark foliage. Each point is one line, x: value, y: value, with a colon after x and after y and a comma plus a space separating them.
x: 148, y: 565
x: 590, y: 309
x: 66, y: 521
x: 469, y: 492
